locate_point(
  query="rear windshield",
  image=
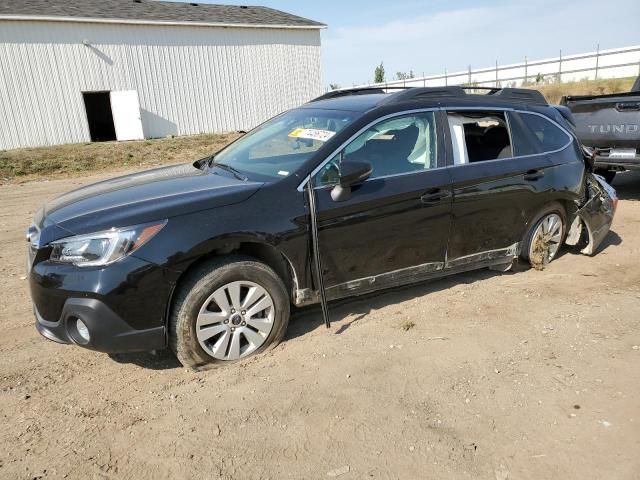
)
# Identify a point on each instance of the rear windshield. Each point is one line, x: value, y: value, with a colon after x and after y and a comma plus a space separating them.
x: 280, y: 146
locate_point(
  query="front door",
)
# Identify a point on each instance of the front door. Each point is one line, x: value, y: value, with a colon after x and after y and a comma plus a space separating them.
x: 395, y: 225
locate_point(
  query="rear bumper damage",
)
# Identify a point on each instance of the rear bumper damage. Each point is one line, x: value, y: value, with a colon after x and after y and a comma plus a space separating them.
x: 593, y: 218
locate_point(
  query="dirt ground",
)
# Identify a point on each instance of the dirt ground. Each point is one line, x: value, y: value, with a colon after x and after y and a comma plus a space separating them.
x: 532, y: 374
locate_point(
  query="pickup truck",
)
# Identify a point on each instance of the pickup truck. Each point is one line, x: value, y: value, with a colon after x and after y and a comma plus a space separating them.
x: 609, y: 127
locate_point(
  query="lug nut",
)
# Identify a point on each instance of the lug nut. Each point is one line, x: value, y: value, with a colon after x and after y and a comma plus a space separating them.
x: 244, y: 312
x: 233, y: 310
x: 233, y: 329
x: 226, y: 321
x: 243, y: 323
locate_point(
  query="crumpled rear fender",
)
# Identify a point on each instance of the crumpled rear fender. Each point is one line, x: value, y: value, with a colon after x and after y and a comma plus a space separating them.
x: 595, y: 214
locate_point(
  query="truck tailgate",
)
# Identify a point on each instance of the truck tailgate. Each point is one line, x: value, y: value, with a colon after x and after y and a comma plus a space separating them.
x: 607, y: 121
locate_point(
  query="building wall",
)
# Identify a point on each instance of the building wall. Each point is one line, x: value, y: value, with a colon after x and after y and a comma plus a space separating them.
x: 189, y: 79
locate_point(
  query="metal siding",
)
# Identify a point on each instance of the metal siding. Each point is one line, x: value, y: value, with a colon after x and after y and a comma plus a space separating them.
x: 189, y: 79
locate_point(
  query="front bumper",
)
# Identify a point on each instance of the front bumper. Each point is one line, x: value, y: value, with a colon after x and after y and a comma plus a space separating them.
x: 107, y: 331
x: 123, y: 305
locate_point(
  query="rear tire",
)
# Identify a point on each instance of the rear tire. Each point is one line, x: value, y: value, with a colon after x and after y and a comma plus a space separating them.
x: 545, y: 236
x: 226, y: 310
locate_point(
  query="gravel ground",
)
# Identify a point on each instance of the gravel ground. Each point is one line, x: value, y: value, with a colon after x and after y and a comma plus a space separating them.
x: 530, y: 374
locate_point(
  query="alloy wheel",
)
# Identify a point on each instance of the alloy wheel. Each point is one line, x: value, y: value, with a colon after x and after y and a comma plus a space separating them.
x: 546, y: 239
x: 235, y: 320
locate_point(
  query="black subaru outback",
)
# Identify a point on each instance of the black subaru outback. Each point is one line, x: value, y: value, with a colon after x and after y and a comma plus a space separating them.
x: 355, y: 191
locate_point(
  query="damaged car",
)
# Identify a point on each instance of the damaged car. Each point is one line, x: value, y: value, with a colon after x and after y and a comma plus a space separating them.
x: 356, y: 191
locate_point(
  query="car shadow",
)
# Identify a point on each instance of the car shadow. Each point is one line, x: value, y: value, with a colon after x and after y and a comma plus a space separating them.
x: 155, y: 360
x: 306, y: 319
x: 612, y: 239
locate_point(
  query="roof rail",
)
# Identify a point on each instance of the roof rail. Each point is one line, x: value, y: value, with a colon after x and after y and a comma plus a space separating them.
x: 521, y: 94
x: 513, y: 94
x: 417, y: 93
x: 457, y: 91
x: 354, y: 91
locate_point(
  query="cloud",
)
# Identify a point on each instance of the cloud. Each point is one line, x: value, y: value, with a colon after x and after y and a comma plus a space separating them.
x: 477, y: 36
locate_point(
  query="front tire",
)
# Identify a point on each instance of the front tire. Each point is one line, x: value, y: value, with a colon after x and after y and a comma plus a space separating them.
x: 226, y: 310
x: 545, y: 237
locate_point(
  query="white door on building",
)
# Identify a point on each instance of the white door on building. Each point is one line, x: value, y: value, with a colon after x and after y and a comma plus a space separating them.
x: 125, y: 109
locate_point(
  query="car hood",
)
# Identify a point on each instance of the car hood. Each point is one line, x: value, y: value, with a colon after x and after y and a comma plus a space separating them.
x: 142, y: 197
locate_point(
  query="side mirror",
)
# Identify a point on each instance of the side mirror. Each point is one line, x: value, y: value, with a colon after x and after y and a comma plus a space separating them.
x: 351, y: 173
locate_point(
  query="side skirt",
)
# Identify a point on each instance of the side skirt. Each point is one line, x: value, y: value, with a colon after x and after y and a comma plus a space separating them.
x: 410, y: 275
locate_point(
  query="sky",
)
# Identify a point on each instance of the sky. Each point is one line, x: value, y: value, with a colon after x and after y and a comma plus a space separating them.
x: 431, y: 36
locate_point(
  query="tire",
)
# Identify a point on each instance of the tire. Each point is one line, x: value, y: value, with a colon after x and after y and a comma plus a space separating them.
x: 199, y: 308
x: 608, y: 175
x: 535, y: 249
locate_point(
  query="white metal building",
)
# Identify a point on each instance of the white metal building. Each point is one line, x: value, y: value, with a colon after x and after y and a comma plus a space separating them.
x: 129, y: 69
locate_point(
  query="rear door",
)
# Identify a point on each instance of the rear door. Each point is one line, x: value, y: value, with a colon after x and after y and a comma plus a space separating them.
x: 499, y: 178
x: 395, y: 223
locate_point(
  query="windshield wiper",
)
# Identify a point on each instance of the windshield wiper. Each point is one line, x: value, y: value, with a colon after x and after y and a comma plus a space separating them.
x: 229, y: 168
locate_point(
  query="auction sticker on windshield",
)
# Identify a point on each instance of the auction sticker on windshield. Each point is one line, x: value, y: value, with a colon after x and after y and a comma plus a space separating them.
x: 312, y: 134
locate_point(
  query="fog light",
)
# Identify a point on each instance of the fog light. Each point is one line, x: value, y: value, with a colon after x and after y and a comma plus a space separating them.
x: 82, y: 330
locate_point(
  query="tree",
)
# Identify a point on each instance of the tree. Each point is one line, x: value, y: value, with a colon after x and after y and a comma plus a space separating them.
x: 378, y: 75
x: 405, y: 75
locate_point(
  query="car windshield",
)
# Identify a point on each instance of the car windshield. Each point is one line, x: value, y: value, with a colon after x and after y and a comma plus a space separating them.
x: 280, y: 146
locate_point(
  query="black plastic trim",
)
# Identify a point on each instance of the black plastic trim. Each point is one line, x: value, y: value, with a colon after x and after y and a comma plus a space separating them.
x: 108, y: 332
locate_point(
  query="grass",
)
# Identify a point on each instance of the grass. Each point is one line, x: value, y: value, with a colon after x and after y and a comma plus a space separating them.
x: 90, y: 158
x: 553, y: 92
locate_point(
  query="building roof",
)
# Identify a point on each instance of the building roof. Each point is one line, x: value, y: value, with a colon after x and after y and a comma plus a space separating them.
x: 151, y: 11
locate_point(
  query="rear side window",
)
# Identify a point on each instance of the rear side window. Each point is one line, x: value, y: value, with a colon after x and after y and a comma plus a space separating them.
x: 524, y: 140
x: 479, y: 136
x: 544, y: 134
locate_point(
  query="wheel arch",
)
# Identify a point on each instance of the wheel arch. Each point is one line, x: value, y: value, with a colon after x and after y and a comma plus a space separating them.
x: 568, y: 205
x: 254, y: 248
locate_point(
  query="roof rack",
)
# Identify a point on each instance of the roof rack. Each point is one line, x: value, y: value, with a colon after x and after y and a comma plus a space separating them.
x: 524, y: 95
x: 355, y: 91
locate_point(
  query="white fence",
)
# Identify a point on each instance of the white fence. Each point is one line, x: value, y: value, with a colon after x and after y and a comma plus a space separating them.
x: 614, y: 63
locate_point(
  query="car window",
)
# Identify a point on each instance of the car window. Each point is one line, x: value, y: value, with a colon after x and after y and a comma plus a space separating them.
x: 399, y: 145
x: 281, y: 145
x: 523, y: 140
x: 478, y: 136
x: 547, y: 136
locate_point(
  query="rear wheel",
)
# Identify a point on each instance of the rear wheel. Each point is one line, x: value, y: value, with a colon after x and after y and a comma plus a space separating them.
x: 227, y: 310
x: 544, y: 238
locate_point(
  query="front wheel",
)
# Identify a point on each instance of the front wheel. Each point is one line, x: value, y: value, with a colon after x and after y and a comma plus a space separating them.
x: 544, y: 238
x: 227, y: 310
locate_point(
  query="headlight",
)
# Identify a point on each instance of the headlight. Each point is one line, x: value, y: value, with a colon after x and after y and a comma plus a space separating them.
x: 103, y: 248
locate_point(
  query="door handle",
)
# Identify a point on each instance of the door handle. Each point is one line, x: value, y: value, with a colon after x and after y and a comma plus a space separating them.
x: 434, y: 196
x: 533, y: 175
